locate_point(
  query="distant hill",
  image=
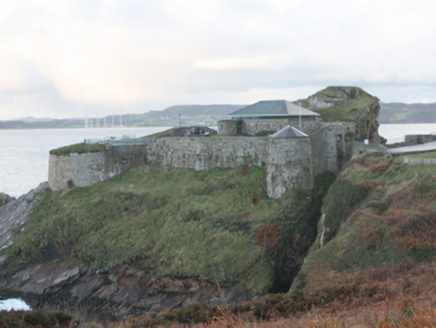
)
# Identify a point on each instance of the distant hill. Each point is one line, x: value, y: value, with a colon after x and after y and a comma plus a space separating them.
x: 31, y: 119
x: 407, y: 113
x: 199, y: 110
x: 190, y: 115
x: 333, y: 103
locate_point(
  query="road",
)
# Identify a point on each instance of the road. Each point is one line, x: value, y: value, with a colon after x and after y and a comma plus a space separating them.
x: 429, y: 146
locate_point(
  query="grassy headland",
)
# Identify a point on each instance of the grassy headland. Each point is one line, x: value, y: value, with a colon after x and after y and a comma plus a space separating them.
x: 218, y: 224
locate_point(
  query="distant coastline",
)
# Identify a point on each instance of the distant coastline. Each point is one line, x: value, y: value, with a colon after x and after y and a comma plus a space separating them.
x: 390, y: 113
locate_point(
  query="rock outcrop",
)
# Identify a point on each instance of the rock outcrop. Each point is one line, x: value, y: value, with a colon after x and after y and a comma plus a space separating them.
x: 15, y: 213
x: 347, y: 104
x: 109, y: 293
x: 5, y: 198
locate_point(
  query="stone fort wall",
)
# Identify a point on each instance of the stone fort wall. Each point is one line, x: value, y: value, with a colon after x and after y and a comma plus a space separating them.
x: 208, y: 153
x: 251, y: 127
x: 291, y: 162
x: 83, y: 170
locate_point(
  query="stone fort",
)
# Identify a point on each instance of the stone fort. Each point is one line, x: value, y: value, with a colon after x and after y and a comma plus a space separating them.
x: 302, y: 148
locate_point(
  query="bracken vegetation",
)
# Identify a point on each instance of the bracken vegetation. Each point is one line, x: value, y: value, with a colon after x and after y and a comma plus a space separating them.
x: 44, y: 319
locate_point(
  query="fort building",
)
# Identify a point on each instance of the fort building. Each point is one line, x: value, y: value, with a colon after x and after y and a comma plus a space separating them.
x: 269, y: 115
x: 302, y: 148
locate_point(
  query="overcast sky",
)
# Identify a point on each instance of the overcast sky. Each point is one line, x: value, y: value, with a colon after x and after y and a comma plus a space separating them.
x: 69, y: 58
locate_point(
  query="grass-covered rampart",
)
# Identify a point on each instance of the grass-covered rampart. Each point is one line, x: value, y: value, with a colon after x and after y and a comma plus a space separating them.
x: 80, y: 148
x: 218, y: 224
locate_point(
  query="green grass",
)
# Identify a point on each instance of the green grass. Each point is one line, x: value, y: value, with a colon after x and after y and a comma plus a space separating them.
x: 159, y: 134
x: 80, y: 148
x: 174, y: 221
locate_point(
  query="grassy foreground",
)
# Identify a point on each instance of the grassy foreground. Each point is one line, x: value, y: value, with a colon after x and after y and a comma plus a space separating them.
x: 376, y: 212
x: 218, y: 224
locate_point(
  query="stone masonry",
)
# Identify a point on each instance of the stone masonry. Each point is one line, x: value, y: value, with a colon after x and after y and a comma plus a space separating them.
x: 291, y: 162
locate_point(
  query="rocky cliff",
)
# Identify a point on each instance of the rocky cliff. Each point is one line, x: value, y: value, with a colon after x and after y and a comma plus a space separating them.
x: 347, y: 104
x: 14, y: 214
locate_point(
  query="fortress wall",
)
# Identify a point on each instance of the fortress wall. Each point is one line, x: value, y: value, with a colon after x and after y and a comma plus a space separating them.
x: 83, y: 170
x: 342, y: 127
x: 419, y: 161
x: 324, y: 151
x: 308, y: 124
x: 208, y: 153
x: 254, y: 126
x: 291, y: 162
x: 358, y: 148
x: 228, y: 127
x: 289, y: 165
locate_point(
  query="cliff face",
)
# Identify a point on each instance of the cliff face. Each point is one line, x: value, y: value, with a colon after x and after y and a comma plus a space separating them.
x: 378, y: 221
x: 347, y: 104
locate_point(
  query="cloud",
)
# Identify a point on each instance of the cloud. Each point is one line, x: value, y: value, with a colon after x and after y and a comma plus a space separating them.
x: 135, y: 54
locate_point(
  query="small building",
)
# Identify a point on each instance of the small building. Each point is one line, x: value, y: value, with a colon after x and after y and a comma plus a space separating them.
x: 268, y: 115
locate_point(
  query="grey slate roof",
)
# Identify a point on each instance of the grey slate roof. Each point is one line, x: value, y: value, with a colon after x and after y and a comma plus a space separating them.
x: 288, y: 132
x: 273, y: 108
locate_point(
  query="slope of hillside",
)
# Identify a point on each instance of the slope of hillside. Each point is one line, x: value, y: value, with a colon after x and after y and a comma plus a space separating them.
x: 373, y: 262
x: 377, y: 214
x: 175, y: 224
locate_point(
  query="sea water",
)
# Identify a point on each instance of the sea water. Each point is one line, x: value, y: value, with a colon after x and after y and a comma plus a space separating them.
x: 396, y: 132
x: 24, y: 154
x: 16, y: 304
